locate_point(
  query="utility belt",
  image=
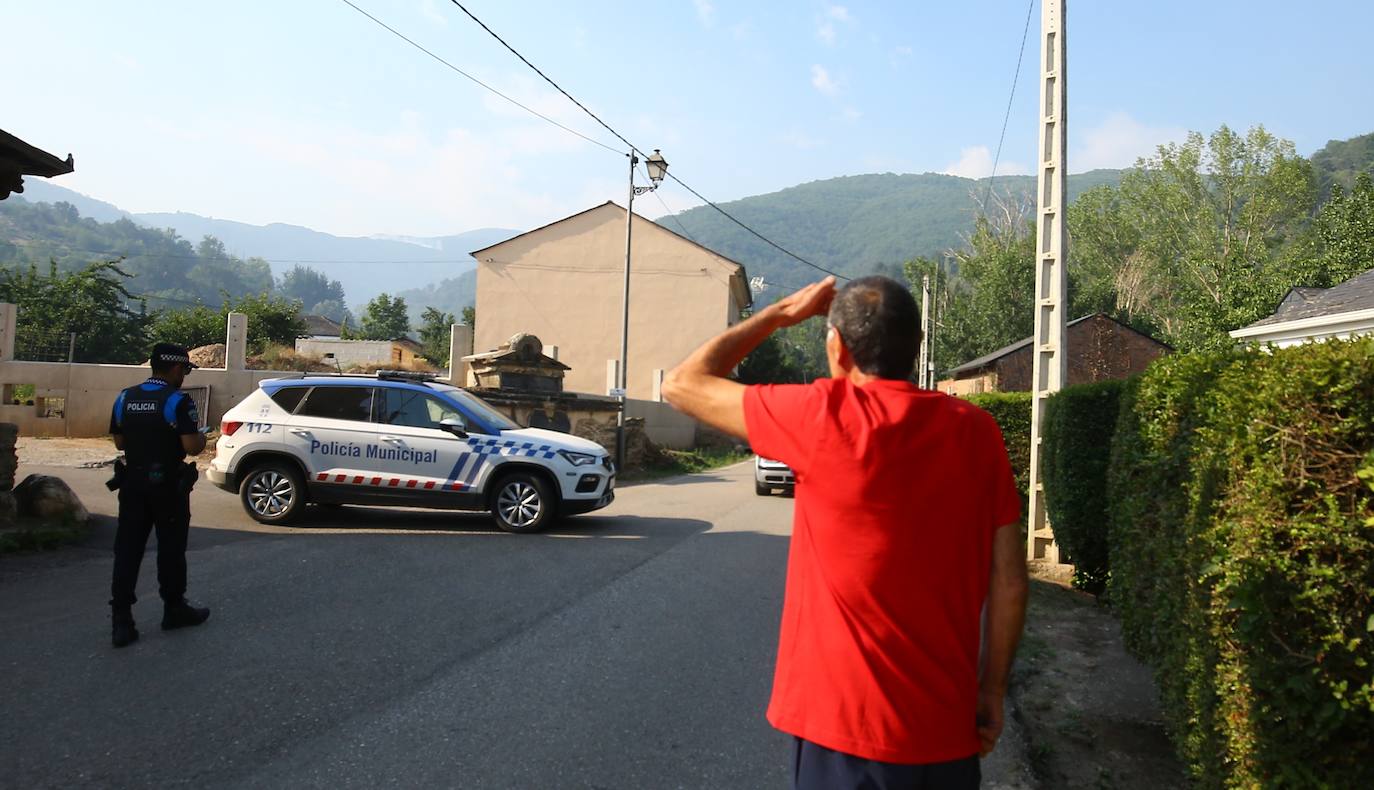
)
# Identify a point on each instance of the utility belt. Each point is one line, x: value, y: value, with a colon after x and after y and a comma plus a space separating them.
x: 176, y: 474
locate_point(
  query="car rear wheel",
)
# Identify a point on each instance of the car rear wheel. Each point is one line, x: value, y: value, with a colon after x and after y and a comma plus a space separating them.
x: 272, y: 493
x: 522, y: 503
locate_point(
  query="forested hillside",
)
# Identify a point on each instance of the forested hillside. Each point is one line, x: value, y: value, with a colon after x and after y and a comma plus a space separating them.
x: 855, y: 224
x: 164, y: 267
x: 1341, y: 161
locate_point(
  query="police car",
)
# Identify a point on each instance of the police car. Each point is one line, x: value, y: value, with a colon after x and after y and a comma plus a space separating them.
x: 400, y: 438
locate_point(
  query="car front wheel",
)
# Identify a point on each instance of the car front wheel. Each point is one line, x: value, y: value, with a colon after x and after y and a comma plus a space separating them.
x: 522, y: 503
x: 272, y: 493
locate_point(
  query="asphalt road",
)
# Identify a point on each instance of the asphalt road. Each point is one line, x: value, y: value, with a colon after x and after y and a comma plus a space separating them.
x: 628, y: 648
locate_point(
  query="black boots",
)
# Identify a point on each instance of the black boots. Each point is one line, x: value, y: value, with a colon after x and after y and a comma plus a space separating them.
x: 123, y: 634
x: 182, y: 615
x: 179, y: 614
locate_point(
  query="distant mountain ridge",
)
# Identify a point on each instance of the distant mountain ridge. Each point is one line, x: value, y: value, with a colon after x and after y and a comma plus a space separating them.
x: 365, y: 266
x: 855, y: 225
x: 851, y: 224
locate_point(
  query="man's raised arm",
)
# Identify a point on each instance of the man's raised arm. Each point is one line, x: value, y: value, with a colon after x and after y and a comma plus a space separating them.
x: 699, y: 387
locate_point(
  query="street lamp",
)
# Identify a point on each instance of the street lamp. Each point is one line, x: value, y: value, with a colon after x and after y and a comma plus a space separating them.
x: 658, y: 167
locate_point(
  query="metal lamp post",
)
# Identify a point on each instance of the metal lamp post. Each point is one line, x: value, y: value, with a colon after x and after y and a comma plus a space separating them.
x: 657, y: 167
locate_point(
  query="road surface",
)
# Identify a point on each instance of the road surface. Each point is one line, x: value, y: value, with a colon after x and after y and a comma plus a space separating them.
x: 369, y: 647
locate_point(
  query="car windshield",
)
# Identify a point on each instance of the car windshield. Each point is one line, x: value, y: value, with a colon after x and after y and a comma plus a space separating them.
x: 482, y: 410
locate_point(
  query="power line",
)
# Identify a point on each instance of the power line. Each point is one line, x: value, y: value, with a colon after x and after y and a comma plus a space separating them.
x: 669, y: 212
x: 1015, y: 79
x: 636, y: 149
x: 409, y: 41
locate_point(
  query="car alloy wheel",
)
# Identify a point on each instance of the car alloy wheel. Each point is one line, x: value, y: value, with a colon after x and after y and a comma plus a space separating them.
x: 271, y: 494
x: 519, y: 504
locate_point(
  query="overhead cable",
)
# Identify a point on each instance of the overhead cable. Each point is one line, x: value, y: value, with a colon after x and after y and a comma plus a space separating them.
x: 527, y: 109
x: 634, y: 148
x: 1015, y: 79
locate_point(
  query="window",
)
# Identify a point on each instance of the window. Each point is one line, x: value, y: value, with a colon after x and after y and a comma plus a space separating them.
x: 414, y: 409
x: 289, y: 397
x: 339, y: 403
x: 482, y: 410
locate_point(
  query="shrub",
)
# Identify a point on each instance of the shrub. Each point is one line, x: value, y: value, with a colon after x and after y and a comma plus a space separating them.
x: 1079, y: 422
x: 1012, y: 411
x: 1242, y: 555
x: 286, y: 358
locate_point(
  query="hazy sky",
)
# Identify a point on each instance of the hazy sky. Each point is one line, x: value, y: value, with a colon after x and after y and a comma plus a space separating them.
x: 306, y: 112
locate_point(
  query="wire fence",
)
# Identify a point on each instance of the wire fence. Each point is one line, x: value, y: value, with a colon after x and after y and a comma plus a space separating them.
x: 31, y: 346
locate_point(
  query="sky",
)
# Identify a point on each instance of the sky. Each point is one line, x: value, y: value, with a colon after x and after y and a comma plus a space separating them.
x: 308, y: 113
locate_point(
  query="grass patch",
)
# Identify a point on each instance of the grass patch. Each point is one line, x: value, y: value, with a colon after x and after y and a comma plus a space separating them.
x: 682, y: 462
x: 40, y: 536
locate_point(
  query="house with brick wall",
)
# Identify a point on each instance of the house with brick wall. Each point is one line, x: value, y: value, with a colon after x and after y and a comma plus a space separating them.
x: 1100, y: 348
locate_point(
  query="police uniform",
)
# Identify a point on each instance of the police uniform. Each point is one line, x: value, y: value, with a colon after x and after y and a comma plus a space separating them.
x: 154, y: 493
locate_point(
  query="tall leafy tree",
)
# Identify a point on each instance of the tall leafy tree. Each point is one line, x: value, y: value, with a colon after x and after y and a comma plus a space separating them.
x: 1345, y: 228
x: 434, y: 335
x: 272, y: 321
x: 384, y: 318
x: 1193, y: 240
x: 93, y: 303
x: 311, y: 288
x: 191, y: 326
x: 332, y: 309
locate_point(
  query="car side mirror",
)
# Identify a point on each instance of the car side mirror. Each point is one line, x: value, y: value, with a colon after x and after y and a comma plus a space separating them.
x: 455, y: 426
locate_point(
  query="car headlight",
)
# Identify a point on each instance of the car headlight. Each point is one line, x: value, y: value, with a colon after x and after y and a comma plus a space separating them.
x: 578, y: 459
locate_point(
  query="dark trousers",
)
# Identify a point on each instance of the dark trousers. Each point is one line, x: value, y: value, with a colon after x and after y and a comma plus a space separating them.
x: 815, y: 767
x: 142, y: 509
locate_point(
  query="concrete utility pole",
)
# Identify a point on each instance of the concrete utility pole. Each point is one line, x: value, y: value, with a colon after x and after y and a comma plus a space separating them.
x: 923, y: 359
x: 1049, y: 369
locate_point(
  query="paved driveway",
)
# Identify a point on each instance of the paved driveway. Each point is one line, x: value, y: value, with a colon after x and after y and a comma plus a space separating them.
x: 629, y: 648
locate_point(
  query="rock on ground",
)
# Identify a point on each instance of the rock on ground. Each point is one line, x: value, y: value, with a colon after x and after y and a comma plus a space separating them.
x: 50, y: 499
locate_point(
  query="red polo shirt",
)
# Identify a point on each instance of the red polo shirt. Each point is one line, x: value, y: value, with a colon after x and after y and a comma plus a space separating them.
x: 899, y: 492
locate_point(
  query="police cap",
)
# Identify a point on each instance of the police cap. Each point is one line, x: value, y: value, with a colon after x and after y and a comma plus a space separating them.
x: 171, y: 354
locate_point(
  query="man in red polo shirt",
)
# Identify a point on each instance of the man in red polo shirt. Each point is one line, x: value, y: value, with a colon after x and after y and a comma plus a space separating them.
x: 906, y: 578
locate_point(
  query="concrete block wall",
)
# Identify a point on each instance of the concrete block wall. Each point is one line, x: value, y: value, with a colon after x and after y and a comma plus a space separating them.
x: 89, y: 390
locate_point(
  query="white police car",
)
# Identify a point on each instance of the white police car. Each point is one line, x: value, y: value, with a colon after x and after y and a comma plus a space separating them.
x: 400, y: 439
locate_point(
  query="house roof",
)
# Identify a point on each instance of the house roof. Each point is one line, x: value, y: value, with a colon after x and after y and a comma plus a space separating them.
x: 739, y: 267
x: 19, y: 159
x: 987, y: 359
x: 1357, y: 293
x: 320, y: 326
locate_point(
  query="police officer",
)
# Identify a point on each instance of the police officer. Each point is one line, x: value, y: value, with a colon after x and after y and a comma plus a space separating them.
x: 156, y: 426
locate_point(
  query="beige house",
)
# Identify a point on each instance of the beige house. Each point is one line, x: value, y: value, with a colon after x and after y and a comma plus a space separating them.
x: 563, y: 282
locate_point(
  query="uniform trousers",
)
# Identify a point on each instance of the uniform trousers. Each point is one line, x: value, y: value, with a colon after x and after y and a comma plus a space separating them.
x: 142, y: 509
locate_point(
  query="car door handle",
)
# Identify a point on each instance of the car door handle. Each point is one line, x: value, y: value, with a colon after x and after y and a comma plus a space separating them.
x: 392, y: 439
x: 299, y: 432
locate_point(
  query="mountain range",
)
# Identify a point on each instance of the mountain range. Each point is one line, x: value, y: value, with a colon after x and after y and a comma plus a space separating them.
x: 366, y: 266
x: 851, y: 225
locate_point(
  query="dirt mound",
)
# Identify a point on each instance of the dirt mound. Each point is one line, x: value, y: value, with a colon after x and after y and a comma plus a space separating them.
x: 211, y: 356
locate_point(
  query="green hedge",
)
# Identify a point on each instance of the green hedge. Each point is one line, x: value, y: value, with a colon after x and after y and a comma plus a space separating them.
x: 1012, y: 411
x: 1079, y: 423
x: 1242, y: 558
